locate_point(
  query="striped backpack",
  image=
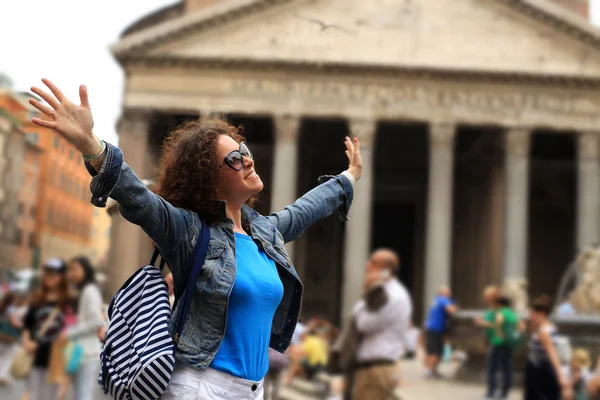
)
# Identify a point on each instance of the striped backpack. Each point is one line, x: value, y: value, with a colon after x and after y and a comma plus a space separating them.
x: 138, y: 356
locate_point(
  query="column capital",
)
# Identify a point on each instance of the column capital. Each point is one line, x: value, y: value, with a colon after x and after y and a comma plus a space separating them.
x: 589, y: 144
x: 134, y: 122
x: 211, y: 114
x: 365, y: 130
x: 518, y: 141
x: 287, y: 127
x: 442, y: 134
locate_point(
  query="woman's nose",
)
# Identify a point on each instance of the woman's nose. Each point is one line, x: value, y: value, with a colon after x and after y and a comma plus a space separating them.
x: 248, y: 162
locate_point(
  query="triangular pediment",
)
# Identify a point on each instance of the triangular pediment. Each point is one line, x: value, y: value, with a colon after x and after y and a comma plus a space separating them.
x: 475, y: 35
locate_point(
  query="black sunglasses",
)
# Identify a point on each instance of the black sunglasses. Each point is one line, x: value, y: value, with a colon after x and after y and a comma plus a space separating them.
x: 235, y: 159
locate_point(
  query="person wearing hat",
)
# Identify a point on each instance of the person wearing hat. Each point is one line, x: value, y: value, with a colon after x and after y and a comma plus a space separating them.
x: 43, y: 325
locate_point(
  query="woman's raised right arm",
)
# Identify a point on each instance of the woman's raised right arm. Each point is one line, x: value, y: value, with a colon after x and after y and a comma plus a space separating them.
x: 167, y: 225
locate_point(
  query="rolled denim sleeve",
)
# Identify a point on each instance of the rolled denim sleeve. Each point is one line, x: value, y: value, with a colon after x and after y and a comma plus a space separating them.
x: 334, y: 193
x: 166, y: 225
x: 105, y: 180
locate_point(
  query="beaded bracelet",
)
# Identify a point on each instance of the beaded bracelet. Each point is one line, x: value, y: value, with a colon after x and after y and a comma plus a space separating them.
x: 97, y: 155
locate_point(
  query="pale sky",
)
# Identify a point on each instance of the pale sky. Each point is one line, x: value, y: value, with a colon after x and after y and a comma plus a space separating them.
x: 68, y: 42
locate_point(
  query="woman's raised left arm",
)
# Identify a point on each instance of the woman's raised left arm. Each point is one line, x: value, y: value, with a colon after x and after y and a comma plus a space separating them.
x: 334, y: 193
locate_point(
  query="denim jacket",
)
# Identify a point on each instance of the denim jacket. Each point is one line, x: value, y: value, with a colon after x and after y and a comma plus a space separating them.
x: 175, y: 231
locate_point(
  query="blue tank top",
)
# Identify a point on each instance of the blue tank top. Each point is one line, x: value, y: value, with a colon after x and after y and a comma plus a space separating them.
x: 256, y: 294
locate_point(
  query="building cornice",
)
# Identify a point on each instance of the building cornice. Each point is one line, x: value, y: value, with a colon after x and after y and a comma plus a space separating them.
x: 366, y: 70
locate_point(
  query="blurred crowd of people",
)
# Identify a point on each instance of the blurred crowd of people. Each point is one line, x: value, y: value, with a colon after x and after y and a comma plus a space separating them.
x: 61, y: 323
x: 553, y: 370
x: 53, y: 327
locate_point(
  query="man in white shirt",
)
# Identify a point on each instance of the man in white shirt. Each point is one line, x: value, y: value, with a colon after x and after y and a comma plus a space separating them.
x: 383, y: 331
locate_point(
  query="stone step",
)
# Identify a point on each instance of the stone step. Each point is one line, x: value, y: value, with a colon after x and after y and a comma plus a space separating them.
x: 289, y: 393
x: 303, y: 389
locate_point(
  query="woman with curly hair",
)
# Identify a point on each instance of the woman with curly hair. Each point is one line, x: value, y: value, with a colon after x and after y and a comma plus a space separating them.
x: 247, y: 297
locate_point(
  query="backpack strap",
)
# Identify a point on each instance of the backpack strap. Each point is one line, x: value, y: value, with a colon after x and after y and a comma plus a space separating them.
x: 197, y: 257
x: 155, y: 257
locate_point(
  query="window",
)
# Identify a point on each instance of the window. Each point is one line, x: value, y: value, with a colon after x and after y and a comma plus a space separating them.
x: 32, y: 240
x: 56, y: 142
x: 18, y: 236
x: 33, y: 137
x: 21, y: 208
x: 57, y: 220
x: 71, y: 154
x: 50, y: 216
x: 77, y: 191
x: 33, y: 211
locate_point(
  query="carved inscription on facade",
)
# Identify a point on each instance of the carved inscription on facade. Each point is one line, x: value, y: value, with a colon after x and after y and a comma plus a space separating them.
x: 432, y: 96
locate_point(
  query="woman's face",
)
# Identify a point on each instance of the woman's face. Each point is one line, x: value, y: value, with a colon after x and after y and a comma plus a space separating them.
x: 52, y: 279
x: 75, y: 273
x: 236, y: 186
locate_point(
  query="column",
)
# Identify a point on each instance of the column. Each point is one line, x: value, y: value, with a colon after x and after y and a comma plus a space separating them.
x: 588, y: 189
x: 357, y: 241
x: 285, y: 165
x: 439, y: 209
x: 517, y: 145
x: 129, y: 244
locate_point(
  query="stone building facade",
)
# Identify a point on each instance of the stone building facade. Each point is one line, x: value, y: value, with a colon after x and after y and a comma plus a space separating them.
x: 479, y: 122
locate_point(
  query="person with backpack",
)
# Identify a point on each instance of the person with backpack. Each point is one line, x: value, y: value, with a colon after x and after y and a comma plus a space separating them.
x: 247, y: 295
x: 504, y: 338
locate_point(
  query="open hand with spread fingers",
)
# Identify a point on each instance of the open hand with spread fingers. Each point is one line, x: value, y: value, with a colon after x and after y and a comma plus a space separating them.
x: 73, y: 122
x: 354, y: 157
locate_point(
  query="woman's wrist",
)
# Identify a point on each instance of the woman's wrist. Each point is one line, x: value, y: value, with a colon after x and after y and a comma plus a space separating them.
x: 350, y: 177
x: 90, y: 147
x: 355, y: 172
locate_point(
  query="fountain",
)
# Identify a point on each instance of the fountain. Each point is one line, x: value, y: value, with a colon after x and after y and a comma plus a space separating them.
x: 581, y: 280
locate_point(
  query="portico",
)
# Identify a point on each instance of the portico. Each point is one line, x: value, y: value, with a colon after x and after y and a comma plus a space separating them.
x: 459, y: 146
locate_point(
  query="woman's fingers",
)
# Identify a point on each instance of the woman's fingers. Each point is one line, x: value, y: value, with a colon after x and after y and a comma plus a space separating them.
x: 83, y: 96
x: 47, y: 97
x: 356, y: 144
x: 54, y: 89
x: 43, y: 108
x: 349, y: 145
x: 44, y: 123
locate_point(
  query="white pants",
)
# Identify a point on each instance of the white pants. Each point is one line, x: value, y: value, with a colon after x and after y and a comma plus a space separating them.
x: 188, y: 383
x: 85, y: 384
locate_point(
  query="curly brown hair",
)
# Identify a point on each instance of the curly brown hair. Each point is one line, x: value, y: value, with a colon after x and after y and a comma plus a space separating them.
x: 189, y: 169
